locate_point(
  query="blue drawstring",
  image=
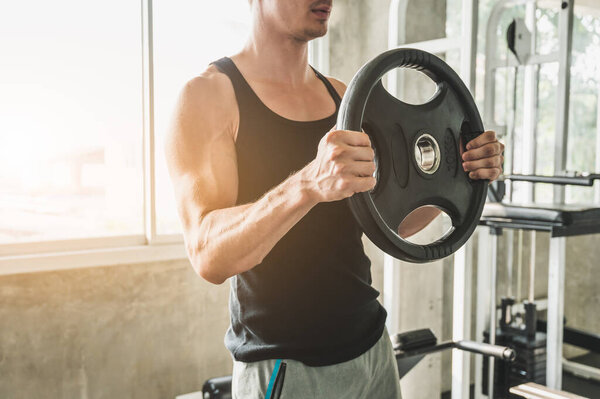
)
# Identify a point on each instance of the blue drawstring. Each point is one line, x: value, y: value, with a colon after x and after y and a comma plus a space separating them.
x: 272, y: 380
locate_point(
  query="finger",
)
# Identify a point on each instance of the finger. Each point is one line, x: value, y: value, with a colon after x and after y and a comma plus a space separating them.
x: 485, y: 151
x: 360, y: 153
x: 492, y: 162
x: 362, y: 184
x: 484, y: 138
x: 350, y: 137
x: 361, y: 169
x: 485, y: 173
x: 353, y: 169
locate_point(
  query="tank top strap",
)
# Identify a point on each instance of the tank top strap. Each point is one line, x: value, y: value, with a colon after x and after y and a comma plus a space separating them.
x: 244, y: 91
x: 246, y: 97
x: 332, y: 91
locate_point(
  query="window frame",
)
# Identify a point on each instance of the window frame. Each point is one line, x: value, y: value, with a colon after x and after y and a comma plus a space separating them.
x: 47, y: 255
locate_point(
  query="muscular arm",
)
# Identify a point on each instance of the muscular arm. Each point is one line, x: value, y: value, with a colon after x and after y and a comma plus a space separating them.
x: 222, y: 239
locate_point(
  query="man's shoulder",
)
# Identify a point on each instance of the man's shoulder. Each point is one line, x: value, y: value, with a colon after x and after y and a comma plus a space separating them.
x: 209, y: 95
x: 211, y: 87
x: 208, y: 100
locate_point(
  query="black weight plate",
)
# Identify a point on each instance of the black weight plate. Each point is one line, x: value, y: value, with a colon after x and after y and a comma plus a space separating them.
x: 450, y: 117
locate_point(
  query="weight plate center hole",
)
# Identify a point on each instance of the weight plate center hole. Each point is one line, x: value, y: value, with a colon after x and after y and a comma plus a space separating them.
x: 427, y: 154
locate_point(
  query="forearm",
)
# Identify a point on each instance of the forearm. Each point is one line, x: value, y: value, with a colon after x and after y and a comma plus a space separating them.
x: 233, y: 240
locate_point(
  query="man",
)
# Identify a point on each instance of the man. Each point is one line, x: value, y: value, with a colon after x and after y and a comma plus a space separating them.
x: 260, y: 175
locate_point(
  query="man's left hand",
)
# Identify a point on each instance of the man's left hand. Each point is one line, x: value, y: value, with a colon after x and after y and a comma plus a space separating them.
x: 484, y: 157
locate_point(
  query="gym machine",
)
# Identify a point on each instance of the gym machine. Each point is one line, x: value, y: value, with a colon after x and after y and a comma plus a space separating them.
x: 537, y: 343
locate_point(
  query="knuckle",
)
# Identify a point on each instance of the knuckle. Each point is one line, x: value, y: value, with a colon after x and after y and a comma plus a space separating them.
x: 372, y: 167
x: 344, y: 184
x: 335, y: 153
x: 366, y: 138
x: 339, y: 168
x: 371, y: 153
x: 331, y: 137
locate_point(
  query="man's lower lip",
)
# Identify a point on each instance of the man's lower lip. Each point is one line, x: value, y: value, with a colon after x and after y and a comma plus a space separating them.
x: 321, y: 14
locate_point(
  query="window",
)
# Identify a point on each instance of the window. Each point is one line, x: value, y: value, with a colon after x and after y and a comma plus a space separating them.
x: 73, y: 94
x: 70, y: 120
x: 188, y: 35
x: 512, y: 110
x: 585, y: 89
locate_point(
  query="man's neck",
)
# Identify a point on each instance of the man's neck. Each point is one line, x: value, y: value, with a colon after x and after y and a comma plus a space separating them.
x: 276, y: 57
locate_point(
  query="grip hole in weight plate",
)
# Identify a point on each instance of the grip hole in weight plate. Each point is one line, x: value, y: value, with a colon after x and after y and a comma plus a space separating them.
x: 439, y: 228
x: 413, y: 87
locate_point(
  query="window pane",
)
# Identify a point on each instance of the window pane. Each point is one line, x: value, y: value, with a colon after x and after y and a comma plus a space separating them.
x: 546, y: 17
x: 585, y: 88
x: 454, y: 19
x: 188, y: 35
x: 70, y: 120
x: 546, y: 128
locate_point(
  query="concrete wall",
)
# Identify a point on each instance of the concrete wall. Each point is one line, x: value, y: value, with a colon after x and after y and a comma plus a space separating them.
x: 135, y: 331
x: 358, y: 33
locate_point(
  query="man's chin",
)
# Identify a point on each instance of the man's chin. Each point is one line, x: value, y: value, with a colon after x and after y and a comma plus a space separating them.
x: 312, y: 34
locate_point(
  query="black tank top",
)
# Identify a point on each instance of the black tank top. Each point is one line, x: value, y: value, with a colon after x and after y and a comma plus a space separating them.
x: 311, y: 297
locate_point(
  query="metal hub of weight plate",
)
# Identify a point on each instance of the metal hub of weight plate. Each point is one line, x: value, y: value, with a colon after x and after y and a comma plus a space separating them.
x: 417, y: 152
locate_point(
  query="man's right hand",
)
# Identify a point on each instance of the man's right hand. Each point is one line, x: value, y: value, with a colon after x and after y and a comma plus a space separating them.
x: 344, y: 166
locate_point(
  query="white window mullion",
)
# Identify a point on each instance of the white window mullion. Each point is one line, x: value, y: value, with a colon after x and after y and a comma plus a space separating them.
x: 58, y: 246
x: 565, y: 32
x: 530, y: 102
x: 470, y: 16
x: 148, y: 115
x: 318, y: 54
x: 597, y: 169
x: 104, y: 257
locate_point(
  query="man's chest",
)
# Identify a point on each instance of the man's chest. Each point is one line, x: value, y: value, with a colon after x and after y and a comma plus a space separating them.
x: 301, y: 104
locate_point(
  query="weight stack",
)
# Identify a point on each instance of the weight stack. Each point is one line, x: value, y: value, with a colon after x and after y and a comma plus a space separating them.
x: 529, y: 365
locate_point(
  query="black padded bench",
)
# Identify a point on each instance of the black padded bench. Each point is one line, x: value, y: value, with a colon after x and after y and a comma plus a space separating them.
x: 560, y: 220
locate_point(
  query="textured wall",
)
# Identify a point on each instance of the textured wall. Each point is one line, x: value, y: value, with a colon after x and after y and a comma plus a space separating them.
x: 582, y: 288
x: 358, y: 33
x: 136, y: 331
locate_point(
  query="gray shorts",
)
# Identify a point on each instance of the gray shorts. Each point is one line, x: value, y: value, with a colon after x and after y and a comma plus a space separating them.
x: 374, y: 374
